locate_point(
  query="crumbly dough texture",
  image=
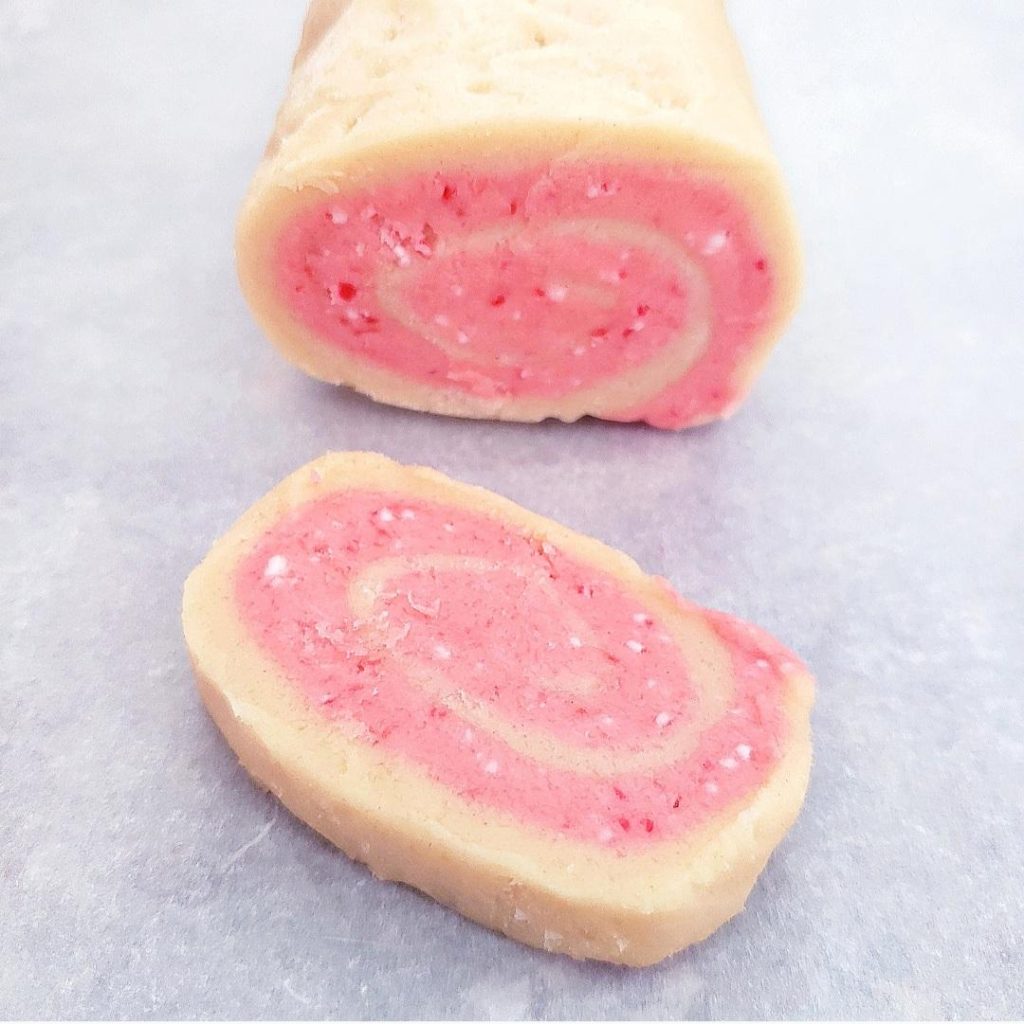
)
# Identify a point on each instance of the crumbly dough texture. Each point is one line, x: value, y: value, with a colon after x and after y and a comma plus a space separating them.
x: 535, y: 886
x: 383, y: 88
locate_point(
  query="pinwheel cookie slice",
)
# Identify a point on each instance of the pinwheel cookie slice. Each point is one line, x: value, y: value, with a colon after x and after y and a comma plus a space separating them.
x: 522, y: 210
x: 496, y: 710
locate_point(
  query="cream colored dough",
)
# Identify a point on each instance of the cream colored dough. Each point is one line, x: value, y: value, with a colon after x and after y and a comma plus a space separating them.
x: 381, y: 88
x: 537, y: 887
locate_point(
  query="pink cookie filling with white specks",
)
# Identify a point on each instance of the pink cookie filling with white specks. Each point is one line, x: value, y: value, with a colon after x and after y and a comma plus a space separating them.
x: 521, y: 678
x: 541, y: 281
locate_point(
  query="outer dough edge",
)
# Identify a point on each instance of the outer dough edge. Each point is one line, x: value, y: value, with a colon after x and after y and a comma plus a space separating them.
x: 634, y: 909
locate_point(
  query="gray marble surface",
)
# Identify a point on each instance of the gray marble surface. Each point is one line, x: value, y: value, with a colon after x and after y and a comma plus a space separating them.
x: 867, y: 506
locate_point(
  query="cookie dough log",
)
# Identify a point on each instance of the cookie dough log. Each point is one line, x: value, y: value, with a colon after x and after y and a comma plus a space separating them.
x: 520, y: 210
x: 507, y: 715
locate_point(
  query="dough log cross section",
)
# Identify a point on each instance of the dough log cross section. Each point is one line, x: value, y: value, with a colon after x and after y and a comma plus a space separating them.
x: 507, y: 715
x: 523, y: 210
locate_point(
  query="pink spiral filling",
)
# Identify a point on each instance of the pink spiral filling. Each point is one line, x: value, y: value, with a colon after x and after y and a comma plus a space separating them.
x: 511, y: 673
x: 540, y: 282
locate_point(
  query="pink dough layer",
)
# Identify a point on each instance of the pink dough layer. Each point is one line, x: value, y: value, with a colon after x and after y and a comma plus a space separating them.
x: 554, y: 649
x: 536, y: 282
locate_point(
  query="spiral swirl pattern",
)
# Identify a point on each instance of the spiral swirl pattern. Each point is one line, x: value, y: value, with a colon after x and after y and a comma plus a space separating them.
x: 516, y: 675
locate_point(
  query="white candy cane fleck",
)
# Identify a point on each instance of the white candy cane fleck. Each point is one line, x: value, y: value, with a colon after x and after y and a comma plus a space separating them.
x: 442, y: 652
x: 744, y: 750
x: 557, y: 292
x: 663, y: 717
x: 715, y: 243
x: 635, y: 646
x: 575, y: 641
x: 407, y: 513
x: 429, y: 610
x: 339, y: 216
x: 385, y: 515
x: 641, y: 618
x: 277, y: 565
x: 728, y: 762
x: 491, y: 767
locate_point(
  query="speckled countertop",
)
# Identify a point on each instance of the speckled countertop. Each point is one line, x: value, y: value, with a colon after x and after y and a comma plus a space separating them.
x: 867, y: 506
